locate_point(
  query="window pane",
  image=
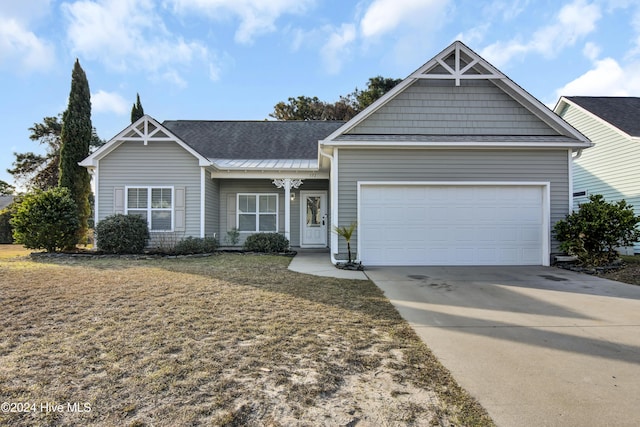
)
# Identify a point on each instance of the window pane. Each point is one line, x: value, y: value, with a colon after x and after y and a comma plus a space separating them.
x: 142, y: 214
x: 137, y: 198
x: 161, y: 220
x: 268, y: 204
x: 247, y: 204
x: 246, y: 222
x: 267, y: 222
x: 161, y: 198
x: 313, y: 211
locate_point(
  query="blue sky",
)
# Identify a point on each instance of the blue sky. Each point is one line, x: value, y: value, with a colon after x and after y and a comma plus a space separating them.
x: 235, y: 59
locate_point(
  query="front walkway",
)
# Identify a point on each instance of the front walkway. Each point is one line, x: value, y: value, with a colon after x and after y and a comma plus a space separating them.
x: 318, y: 263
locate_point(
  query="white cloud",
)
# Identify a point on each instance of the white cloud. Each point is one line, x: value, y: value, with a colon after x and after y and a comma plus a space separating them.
x: 20, y: 46
x: 573, y: 22
x: 384, y: 16
x: 256, y: 16
x: 508, y: 9
x: 591, y: 51
x: 108, y: 102
x: 606, y: 78
x: 337, y: 47
x: 129, y: 35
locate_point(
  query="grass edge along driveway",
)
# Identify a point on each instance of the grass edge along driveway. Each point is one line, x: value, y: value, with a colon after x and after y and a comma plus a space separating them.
x: 223, y: 340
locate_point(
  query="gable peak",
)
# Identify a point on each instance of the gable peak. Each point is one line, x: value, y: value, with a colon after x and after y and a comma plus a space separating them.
x: 457, y: 62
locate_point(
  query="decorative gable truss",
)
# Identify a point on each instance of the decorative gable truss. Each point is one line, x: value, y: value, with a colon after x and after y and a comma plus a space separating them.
x: 145, y: 130
x: 457, y: 62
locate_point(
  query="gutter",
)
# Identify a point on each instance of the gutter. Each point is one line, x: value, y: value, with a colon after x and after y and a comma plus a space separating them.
x: 334, y: 206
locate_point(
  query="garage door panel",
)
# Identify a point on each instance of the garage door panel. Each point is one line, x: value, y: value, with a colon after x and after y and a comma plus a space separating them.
x: 451, y: 225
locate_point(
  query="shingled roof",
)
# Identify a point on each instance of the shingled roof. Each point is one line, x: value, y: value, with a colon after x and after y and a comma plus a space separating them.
x: 253, y: 139
x: 621, y: 112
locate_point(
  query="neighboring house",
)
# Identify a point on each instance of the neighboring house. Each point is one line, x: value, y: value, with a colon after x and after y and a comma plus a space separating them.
x: 457, y: 165
x: 5, y: 200
x: 611, y: 167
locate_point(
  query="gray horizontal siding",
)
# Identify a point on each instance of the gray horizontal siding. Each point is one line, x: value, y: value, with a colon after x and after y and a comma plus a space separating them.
x: 155, y: 164
x: 451, y: 165
x: 229, y: 189
x: 438, y: 107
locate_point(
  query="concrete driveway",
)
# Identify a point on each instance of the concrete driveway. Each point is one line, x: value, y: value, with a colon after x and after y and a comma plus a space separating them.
x: 537, y: 346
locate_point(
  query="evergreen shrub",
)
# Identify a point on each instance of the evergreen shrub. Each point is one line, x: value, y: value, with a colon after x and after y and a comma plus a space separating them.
x: 266, y: 242
x: 122, y: 234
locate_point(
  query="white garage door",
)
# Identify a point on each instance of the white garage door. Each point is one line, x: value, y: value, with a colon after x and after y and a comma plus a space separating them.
x: 451, y: 225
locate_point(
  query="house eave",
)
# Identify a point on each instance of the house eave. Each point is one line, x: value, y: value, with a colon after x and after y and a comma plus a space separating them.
x: 455, y: 145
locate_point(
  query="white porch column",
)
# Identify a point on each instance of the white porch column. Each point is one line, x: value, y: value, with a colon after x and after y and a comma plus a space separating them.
x: 287, y: 184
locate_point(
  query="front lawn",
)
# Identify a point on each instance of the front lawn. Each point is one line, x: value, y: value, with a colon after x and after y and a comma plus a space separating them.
x: 223, y: 340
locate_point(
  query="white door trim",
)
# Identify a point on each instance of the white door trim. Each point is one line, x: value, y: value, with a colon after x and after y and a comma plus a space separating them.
x: 546, y: 204
x: 303, y: 219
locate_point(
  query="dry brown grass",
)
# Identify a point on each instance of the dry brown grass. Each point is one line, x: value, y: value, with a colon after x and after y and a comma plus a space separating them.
x: 226, y: 340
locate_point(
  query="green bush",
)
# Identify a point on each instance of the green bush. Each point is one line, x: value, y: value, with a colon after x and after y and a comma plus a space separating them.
x: 593, y: 232
x: 196, y: 245
x: 122, y: 234
x: 46, y: 220
x: 266, y: 242
x: 6, y: 231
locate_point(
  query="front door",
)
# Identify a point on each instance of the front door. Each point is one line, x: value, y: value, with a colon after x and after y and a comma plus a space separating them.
x: 313, y: 219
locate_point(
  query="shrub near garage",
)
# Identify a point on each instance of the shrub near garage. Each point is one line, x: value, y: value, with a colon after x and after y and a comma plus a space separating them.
x: 596, y: 229
x: 46, y: 220
x: 266, y: 242
x: 122, y: 234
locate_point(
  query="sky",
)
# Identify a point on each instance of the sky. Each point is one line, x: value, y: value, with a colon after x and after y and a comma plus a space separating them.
x: 236, y: 59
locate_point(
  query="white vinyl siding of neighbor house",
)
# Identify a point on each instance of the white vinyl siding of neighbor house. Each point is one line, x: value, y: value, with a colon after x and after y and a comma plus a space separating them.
x: 158, y: 164
x: 609, y: 168
x: 434, y: 107
x: 450, y: 165
x: 230, y: 188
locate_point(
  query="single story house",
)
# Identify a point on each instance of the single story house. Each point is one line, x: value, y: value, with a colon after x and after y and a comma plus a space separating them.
x: 611, y: 167
x: 456, y: 165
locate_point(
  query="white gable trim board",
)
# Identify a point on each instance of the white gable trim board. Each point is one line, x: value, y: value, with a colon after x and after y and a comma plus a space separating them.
x: 453, y: 223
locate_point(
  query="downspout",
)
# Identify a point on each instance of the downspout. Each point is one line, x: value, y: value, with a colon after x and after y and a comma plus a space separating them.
x: 333, y: 185
x: 578, y: 154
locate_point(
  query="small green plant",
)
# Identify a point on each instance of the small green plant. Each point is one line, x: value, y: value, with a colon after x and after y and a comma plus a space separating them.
x: 596, y: 229
x: 266, y: 242
x: 196, y: 245
x: 46, y: 220
x: 122, y: 234
x: 346, y: 233
x: 233, y: 236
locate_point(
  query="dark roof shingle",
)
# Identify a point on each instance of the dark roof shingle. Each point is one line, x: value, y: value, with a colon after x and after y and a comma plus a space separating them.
x: 621, y: 112
x: 253, y: 139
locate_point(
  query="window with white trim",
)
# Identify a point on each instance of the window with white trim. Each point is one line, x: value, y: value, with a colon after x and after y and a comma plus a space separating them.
x: 257, y: 212
x: 154, y: 204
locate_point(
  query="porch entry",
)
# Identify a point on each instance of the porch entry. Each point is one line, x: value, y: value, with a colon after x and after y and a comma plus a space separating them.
x: 313, y: 219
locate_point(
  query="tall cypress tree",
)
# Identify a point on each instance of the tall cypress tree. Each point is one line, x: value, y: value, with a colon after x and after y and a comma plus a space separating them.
x: 75, y: 138
x: 137, y: 111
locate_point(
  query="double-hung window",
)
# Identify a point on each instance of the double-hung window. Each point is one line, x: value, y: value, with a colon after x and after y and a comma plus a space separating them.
x: 154, y: 204
x: 257, y: 212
